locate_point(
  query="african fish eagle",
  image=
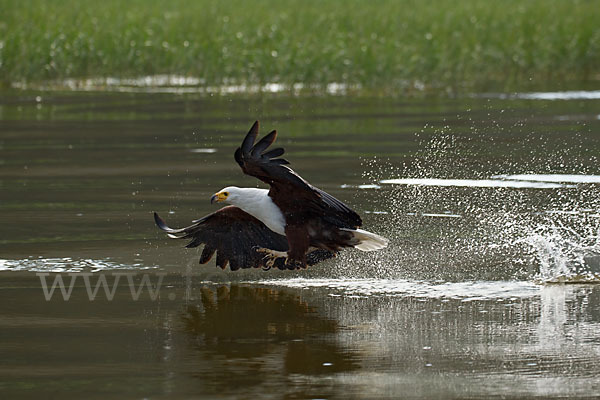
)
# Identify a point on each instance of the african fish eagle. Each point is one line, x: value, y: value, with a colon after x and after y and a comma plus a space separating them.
x: 289, y: 226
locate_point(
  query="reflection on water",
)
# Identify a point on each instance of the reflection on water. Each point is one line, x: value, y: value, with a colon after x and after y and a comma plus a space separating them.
x: 268, y: 341
x: 566, y: 95
x: 255, y: 324
x: 552, y: 178
x: 453, y: 308
x: 176, y: 84
x: 66, y: 264
x: 487, y: 183
x: 464, y: 291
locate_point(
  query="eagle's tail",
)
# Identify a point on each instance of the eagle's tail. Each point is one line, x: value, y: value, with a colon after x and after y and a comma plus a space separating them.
x: 367, y: 241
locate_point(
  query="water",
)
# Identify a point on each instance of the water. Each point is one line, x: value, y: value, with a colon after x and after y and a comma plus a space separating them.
x: 489, y: 288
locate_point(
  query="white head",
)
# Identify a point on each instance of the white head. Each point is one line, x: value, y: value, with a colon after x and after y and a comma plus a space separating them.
x: 230, y: 195
x: 255, y: 202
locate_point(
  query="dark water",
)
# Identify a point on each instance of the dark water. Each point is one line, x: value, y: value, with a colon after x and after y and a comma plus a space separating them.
x: 459, y: 305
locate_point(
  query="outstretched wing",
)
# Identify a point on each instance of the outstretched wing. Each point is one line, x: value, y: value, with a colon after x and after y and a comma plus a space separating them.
x: 289, y: 191
x: 235, y: 236
x: 265, y: 165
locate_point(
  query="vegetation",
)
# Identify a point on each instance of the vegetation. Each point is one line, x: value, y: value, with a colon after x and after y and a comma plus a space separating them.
x: 379, y: 44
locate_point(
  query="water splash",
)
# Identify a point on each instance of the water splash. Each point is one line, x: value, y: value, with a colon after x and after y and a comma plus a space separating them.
x: 506, y: 230
x: 567, y: 246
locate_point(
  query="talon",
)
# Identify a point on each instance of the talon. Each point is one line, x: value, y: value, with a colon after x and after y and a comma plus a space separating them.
x: 294, y: 264
x: 270, y: 257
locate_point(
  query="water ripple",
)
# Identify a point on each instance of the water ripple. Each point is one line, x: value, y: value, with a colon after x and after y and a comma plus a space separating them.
x: 65, y: 264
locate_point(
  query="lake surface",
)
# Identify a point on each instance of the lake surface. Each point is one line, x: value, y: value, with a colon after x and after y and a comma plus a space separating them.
x: 489, y: 288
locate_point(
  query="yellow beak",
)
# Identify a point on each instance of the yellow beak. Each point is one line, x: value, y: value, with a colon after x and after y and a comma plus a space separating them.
x: 217, y: 197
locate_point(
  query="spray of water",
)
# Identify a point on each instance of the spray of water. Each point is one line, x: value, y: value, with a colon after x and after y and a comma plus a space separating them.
x: 458, y: 218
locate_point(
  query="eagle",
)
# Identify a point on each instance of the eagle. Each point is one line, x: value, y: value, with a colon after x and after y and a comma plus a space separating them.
x: 290, y: 226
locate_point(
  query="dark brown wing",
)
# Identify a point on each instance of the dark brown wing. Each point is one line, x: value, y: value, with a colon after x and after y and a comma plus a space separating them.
x: 265, y: 166
x: 234, y: 235
x: 292, y: 194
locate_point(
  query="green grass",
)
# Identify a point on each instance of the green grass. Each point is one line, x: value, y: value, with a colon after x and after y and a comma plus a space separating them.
x: 379, y: 45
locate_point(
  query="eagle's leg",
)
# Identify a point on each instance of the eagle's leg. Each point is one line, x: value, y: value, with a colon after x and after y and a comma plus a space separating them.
x: 294, y: 264
x: 279, y: 259
x: 271, y: 256
x: 298, y: 238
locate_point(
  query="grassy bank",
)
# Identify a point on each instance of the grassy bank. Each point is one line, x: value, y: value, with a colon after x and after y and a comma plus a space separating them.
x: 467, y: 44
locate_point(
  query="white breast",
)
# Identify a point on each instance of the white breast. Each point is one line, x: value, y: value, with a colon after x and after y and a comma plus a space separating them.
x: 257, y: 203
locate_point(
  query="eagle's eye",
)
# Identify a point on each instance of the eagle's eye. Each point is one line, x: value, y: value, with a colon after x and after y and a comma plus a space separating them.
x: 226, y: 194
